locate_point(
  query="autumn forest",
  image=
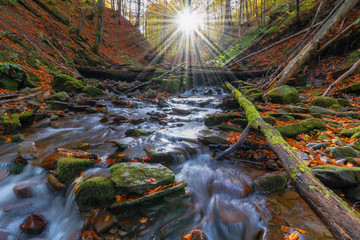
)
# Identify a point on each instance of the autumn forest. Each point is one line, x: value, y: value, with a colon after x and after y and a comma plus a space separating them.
x: 179, y: 119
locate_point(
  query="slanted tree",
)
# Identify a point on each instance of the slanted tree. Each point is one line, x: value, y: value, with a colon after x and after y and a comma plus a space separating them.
x: 83, y: 16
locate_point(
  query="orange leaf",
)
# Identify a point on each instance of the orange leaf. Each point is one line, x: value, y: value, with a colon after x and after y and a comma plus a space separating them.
x: 293, y: 236
x: 107, y: 218
x: 285, y: 229
x: 301, y: 231
x: 143, y: 220
x: 187, y: 237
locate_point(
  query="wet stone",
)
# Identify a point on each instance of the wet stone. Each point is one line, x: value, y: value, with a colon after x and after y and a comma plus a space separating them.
x: 103, y: 221
x: 27, y: 150
x: 317, y: 146
x: 34, y: 224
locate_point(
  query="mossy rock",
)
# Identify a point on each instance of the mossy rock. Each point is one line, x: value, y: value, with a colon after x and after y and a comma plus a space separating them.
x: 344, y: 102
x: 350, y: 132
x: 8, y: 83
x: 323, y: 101
x: 69, y: 168
x: 270, y: 120
x: 271, y: 182
x: 14, y: 77
x: 63, y: 82
x: 93, y: 91
x: 305, y: 126
x: 338, y: 107
x: 230, y: 128
x: 58, y: 105
x: 283, y: 95
x: 286, y: 118
x: 96, y: 192
x: 61, y: 96
x: 161, y: 157
x: 354, y: 89
x: 216, y: 119
x: 254, y: 97
x: 17, y: 139
x: 137, y: 132
x: 251, y: 91
x: 231, y: 103
x: 321, y: 110
x: 11, y: 126
x: 356, y: 145
x: 337, y: 177
x: 134, y: 177
x: 170, y: 85
x: 17, y: 168
x: 343, y: 152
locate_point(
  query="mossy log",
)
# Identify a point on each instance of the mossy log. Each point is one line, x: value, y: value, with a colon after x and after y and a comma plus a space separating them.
x: 339, y: 218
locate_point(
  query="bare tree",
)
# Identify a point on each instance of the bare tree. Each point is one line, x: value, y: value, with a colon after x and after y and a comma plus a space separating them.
x: 99, y: 26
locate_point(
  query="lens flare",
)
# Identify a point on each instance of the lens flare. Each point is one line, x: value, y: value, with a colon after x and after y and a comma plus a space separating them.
x: 189, y: 21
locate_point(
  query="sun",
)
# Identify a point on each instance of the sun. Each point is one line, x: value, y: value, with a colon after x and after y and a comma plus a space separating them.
x: 188, y: 21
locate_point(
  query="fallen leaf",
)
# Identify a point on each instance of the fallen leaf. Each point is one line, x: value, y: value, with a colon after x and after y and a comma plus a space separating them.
x: 301, y: 231
x: 285, y: 229
x: 143, y: 220
x: 106, y: 218
x: 293, y: 236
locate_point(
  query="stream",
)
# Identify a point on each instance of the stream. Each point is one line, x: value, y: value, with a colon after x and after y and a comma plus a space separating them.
x: 217, y: 201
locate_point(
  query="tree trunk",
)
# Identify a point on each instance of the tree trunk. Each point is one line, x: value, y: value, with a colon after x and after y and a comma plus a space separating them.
x: 342, y: 77
x: 99, y: 26
x: 69, y: 12
x: 82, y: 20
x: 306, y: 53
x: 137, y: 24
x: 341, y: 220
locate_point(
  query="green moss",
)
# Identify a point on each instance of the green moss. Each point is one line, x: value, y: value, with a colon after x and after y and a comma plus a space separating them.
x: 343, y: 152
x: 17, y: 138
x: 63, y: 82
x: 251, y: 91
x: 271, y: 183
x: 354, y: 88
x: 8, y: 83
x: 170, y: 85
x: 93, y: 91
x: 96, y: 192
x: 283, y: 95
x: 69, y: 168
x: 305, y: 126
x: 137, y: 132
x: 324, y: 101
x: 61, y: 96
x: 323, y: 137
x: 161, y: 157
x: 350, y: 132
x: 17, y: 168
x: 11, y: 126
x: 344, y: 102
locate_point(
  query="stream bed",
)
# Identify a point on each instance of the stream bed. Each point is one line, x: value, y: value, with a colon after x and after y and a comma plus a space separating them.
x: 217, y: 199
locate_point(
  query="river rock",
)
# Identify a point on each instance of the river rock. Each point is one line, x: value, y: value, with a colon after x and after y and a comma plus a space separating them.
x: 303, y: 156
x: 4, y: 235
x: 23, y: 190
x: 337, y: 177
x: 27, y: 150
x: 321, y: 110
x: 271, y: 182
x: 305, y: 126
x: 124, y: 143
x: 207, y: 140
x: 181, y: 111
x: 325, y: 159
x: 137, y: 177
x: 353, y: 193
x: 103, y: 221
x: 61, y: 96
x: 4, y: 173
x: 216, y: 119
x: 317, y: 146
x: 151, y: 93
x: 343, y: 152
x: 283, y: 95
x: 33, y: 224
x: 137, y: 132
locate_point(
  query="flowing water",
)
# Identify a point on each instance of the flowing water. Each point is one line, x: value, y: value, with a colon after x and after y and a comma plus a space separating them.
x: 220, y: 204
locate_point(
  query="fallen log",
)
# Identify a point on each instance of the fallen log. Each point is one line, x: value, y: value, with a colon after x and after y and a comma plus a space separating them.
x: 339, y: 218
x: 342, y: 77
x: 315, y: 44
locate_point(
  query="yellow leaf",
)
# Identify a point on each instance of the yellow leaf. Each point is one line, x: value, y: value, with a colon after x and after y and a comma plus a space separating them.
x: 107, y: 218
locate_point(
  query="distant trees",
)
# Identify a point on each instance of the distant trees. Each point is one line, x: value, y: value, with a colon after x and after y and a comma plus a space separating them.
x: 99, y: 26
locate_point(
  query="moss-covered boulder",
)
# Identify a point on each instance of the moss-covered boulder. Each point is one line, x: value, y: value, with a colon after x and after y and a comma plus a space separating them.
x: 344, y: 102
x: 151, y: 93
x: 321, y: 111
x: 63, y: 82
x: 96, y: 192
x: 136, y: 177
x: 356, y: 145
x: 353, y: 89
x: 14, y: 77
x: 162, y: 157
x: 58, y: 105
x: 93, y: 91
x: 216, y: 119
x: 13, y: 123
x: 69, y: 168
x: 350, y: 132
x: 343, y: 152
x: 324, y: 102
x: 271, y: 182
x: 283, y: 95
x: 137, y: 132
x: 270, y: 120
x: 17, y: 138
x: 305, y: 126
x: 170, y: 85
x: 337, y: 177
x: 17, y: 168
x: 61, y: 96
